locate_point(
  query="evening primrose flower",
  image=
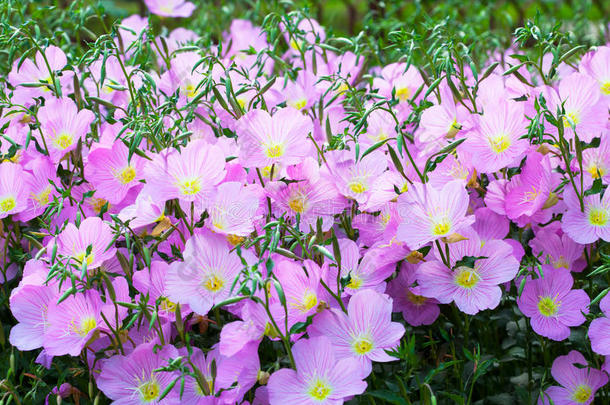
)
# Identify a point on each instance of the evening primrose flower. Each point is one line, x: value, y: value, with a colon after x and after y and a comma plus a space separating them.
x: 416, y: 309
x: 599, y: 330
x: 29, y: 305
x: 14, y: 189
x: 72, y: 323
x: 585, y: 112
x: 321, y: 376
x: 590, y: 225
x: 265, y: 140
x: 551, y: 304
x: 62, y: 126
x: 364, y: 333
x: 578, y: 382
x: 473, y: 286
x: 170, y: 8
x: 494, y: 142
x: 189, y: 175
x: 133, y: 379
x: 75, y: 242
x: 112, y: 173
x: 206, y: 275
x: 429, y: 214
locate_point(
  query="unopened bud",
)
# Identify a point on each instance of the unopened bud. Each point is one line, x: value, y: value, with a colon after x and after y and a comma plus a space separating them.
x: 454, y: 237
x: 262, y: 377
x: 543, y: 149
x: 415, y: 257
x: 552, y: 200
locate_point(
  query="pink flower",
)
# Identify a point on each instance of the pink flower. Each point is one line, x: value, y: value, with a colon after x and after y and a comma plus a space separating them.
x: 206, y: 275
x: 494, y: 142
x: 14, y: 189
x: 364, y: 333
x: 29, y: 305
x: 170, y: 8
x: 62, y: 126
x: 72, y: 323
x: 30, y: 72
x: 559, y: 250
x: 112, y: 173
x: 311, y: 196
x: 355, y: 179
x: 74, y: 242
x: 474, y: 285
x: 234, y: 208
x: 551, y: 304
x: 189, y: 175
x: 590, y: 225
x: 303, y: 290
x: 596, y: 161
x: 429, y: 214
x: 132, y: 379
x: 578, y: 382
x: 322, y: 377
x: 598, y: 68
x: 580, y: 96
x: 599, y: 330
x: 416, y: 309
x: 265, y: 140
x: 442, y: 120
x: 529, y: 191
x: 144, y: 212
x: 42, y: 192
x: 401, y: 82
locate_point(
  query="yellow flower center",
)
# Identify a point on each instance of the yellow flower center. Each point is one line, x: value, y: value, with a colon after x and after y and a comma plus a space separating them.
x: 561, y: 262
x: 270, y: 331
x: 298, y: 104
x: 298, y: 203
x: 97, y: 204
x: 403, y: 94
x: 441, y: 228
x: 605, y: 88
x: 189, y: 90
x: 7, y: 204
x: 126, y: 175
x: 150, y: 390
x: 235, y: 239
x: 598, y: 217
x: 582, y: 393
x: 547, y: 306
x: 416, y: 299
x: 274, y: 150
x: 357, y: 187
x: 355, y: 282
x: 466, y: 277
x: 310, y: 300
x: 63, y: 141
x: 596, y: 171
x: 84, y: 257
x: 453, y: 129
x: 190, y: 186
x: 499, y: 143
x: 319, y: 390
x: 362, y: 345
x: 167, y: 305
x: 572, y: 116
x: 213, y: 283
x: 44, y: 197
x: 87, y: 324
x: 532, y: 195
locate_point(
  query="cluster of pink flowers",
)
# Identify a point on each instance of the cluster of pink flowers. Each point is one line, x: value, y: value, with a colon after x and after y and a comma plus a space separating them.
x: 304, y: 225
